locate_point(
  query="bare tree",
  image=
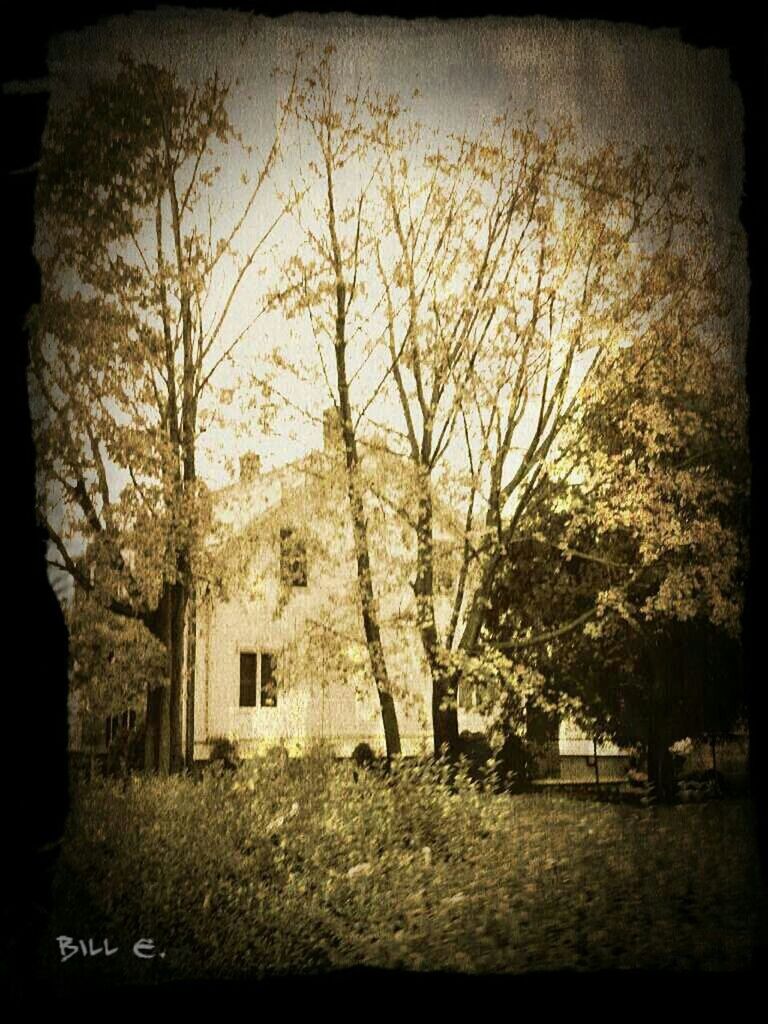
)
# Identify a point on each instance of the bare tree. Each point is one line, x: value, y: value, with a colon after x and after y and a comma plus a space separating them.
x: 487, y: 278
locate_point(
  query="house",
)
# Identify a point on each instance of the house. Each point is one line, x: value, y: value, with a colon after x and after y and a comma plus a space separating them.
x: 278, y: 655
x: 582, y: 759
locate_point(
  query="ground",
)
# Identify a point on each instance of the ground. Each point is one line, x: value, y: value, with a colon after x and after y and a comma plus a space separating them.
x: 314, y: 865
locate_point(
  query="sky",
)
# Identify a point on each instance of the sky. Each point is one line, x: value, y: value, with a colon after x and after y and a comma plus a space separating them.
x: 617, y: 83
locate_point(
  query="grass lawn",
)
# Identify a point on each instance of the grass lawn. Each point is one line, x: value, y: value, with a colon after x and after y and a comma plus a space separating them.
x: 311, y: 867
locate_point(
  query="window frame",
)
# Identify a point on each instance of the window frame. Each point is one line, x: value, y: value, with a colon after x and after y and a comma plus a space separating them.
x: 259, y: 653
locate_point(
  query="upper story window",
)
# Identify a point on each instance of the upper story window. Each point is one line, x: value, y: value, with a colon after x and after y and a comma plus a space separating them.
x: 293, y: 559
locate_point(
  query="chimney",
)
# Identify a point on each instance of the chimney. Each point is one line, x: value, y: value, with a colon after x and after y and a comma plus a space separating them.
x: 332, y: 436
x: 250, y: 467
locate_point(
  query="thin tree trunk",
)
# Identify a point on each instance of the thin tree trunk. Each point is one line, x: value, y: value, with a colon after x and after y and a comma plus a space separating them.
x: 157, y: 713
x: 370, y: 619
x: 445, y: 685
x: 660, y: 765
x: 661, y: 773
x: 445, y: 714
x: 176, y: 689
x: 359, y: 524
x: 189, y: 747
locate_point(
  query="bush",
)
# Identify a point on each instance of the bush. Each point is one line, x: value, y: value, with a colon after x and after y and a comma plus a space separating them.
x: 515, y: 763
x: 223, y: 753
x: 701, y: 785
x: 363, y: 755
x: 474, y: 746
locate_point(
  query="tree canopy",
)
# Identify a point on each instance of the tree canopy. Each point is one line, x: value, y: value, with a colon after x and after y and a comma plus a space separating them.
x: 646, y: 553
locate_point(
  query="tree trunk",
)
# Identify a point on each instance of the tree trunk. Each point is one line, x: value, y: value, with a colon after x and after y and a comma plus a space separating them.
x: 189, y: 746
x: 389, y: 720
x: 163, y: 744
x: 445, y: 687
x: 157, y: 749
x: 445, y: 714
x: 177, y: 661
x: 660, y: 763
x: 357, y: 508
x: 155, y: 736
x: 371, y: 625
x: 364, y: 578
x: 661, y: 772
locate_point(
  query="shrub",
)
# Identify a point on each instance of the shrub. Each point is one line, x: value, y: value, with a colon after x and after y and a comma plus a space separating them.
x: 223, y: 753
x: 515, y: 763
x: 363, y: 755
x: 474, y: 746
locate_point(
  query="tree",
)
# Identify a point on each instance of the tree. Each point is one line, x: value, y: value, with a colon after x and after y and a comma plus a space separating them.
x: 323, y: 285
x: 648, y: 550
x: 138, y: 281
x: 113, y: 660
x: 489, y: 282
x: 523, y: 267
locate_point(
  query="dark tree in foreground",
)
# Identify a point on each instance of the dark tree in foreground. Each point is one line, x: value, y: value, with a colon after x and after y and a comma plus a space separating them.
x: 647, y: 553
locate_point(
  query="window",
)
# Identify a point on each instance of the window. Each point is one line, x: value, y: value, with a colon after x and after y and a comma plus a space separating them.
x: 258, y: 685
x: 468, y: 697
x: 247, y: 679
x: 293, y: 559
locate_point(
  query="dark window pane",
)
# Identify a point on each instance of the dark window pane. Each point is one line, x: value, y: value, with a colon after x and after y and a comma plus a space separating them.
x: 247, y: 679
x: 293, y: 559
x: 268, y: 682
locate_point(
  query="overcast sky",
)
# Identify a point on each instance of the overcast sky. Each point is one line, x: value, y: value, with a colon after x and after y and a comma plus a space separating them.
x: 616, y: 83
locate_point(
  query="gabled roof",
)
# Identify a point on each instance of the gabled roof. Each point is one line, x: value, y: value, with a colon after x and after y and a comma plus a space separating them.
x: 320, y: 477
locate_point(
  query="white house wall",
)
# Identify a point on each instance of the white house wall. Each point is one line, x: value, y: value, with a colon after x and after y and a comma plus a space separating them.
x: 575, y: 743
x: 343, y: 712
x: 325, y: 689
